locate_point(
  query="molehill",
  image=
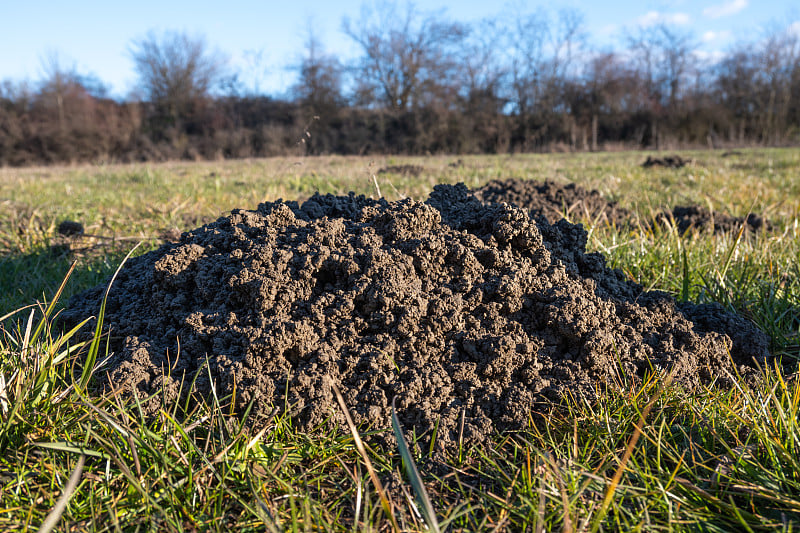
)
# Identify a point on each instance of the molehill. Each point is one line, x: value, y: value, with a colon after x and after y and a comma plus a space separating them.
x: 457, y: 308
x: 552, y: 200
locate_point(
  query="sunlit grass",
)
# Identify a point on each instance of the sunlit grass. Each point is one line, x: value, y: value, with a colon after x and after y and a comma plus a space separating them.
x: 715, y: 459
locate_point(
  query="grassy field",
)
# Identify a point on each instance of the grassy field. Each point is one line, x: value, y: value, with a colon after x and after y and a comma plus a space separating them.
x: 655, y: 458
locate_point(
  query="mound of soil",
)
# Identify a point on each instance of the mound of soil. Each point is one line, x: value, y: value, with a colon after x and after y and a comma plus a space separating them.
x: 551, y: 200
x: 697, y: 217
x: 670, y: 161
x: 458, y: 308
x: 69, y: 228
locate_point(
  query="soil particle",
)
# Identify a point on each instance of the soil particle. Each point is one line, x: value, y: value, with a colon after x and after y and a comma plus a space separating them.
x: 454, y: 306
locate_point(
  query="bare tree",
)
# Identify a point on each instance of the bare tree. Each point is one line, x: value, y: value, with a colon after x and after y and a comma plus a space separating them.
x: 526, y: 45
x: 175, y: 70
x: 778, y: 54
x: 603, y: 89
x: 541, y: 54
x: 666, y: 58
x: 319, y: 87
x: 409, y: 57
x: 318, y: 92
x: 255, y: 66
x: 483, y: 73
x: 58, y: 80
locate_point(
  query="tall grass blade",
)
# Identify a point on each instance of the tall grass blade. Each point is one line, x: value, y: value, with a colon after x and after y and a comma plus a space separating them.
x: 726, y: 263
x: 685, y: 281
x: 413, y: 474
x: 54, y: 300
x: 94, y: 347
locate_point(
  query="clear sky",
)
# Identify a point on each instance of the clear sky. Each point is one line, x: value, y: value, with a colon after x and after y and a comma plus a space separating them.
x: 263, y: 39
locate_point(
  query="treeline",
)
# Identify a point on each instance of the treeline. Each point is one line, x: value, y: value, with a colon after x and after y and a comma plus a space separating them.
x: 422, y: 83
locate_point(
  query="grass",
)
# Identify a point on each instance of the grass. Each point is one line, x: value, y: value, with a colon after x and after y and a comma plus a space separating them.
x: 652, y: 458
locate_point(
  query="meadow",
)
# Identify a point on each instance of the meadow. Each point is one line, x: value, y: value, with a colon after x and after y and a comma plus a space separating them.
x: 653, y: 457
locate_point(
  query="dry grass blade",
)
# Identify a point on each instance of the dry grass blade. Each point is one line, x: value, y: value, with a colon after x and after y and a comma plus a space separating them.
x: 55, y: 514
x: 550, y: 464
x: 27, y: 338
x: 413, y: 474
x: 385, y: 502
x: 377, y: 187
x: 3, y: 397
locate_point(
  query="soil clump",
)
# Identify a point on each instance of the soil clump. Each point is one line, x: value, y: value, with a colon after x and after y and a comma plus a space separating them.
x: 690, y: 217
x: 551, y: 200
x: 456, y: 307
x: 70, y: 228
x: 670, y: 161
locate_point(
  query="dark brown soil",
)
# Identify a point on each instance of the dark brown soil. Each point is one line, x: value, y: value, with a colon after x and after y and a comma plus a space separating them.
x: 456, y: 307
x: 551, y: 200
x: 697, y: 217
x: 70, y: 228
x: 670, y: 161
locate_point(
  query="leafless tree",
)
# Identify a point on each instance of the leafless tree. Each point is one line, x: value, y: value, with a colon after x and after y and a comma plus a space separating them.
x: 408, y: 56
x: 483, y: 73
x: 778, y: 54
x: 318, y: 92
x: 57, y: 81
x: 319, y: 86
x: 175, y: 70
x: 541, y: 51
x: 666, y: 58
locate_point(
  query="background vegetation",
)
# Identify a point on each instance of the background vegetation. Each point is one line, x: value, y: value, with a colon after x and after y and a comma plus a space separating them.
x: 421, y: 83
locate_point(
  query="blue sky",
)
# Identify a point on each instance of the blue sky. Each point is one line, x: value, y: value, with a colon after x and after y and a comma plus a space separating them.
x: 264, y: 39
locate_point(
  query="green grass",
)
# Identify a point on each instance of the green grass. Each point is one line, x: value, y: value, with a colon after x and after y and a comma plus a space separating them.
x: 654, y: 458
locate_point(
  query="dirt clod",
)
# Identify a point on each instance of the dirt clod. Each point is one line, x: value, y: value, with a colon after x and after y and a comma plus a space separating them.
x: 690, y: 217
x: 551, y: 200
x: 554, y: 200
x: 670, y: 161
x: 454, y: 306
x: 70, y: 228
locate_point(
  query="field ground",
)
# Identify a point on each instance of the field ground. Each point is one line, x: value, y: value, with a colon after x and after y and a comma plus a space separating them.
x: 655, y: 458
